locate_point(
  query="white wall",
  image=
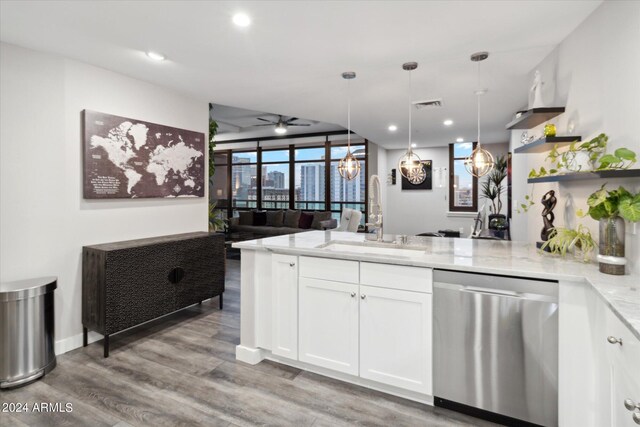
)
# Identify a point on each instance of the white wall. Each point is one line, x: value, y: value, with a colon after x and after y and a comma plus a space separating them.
x: 417, y: 211
x: 595, y: 73
x: 44, y: 221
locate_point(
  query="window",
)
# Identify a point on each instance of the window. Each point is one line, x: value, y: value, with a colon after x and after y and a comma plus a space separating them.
x: 244, y: 180
x: 275, y: 179
x: 218, y: 189
x: 348, y: 194
x: 463, y: 187
x: 295, y: 177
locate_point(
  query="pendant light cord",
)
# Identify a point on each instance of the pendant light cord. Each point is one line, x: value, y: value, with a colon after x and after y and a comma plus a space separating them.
x: 410, y: 90
x: 348, y: 115
x: 479, y: 93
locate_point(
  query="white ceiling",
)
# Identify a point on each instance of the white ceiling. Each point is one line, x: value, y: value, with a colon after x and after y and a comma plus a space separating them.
x: 290, y: 59
x: 239, y: 123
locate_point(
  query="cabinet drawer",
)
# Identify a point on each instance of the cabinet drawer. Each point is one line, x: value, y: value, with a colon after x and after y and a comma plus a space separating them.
x: 329, y: 269
x: 416, y: 279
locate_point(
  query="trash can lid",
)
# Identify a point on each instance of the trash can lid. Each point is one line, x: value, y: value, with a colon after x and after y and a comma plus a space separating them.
x: 28, y: 288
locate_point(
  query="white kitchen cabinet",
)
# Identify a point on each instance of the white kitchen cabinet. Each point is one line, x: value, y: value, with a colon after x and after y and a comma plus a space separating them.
x: 624, y: 361
x: 328, y: 324
x: 395, y: 338
x: 284, y: 282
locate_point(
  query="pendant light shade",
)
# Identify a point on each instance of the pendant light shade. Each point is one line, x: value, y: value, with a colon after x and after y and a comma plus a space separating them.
x: 349, y: 166
x: 480, y: 162
x: 410, y: 165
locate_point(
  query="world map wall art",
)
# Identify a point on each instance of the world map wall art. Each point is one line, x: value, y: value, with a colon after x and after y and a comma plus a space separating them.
x: 126, y: 158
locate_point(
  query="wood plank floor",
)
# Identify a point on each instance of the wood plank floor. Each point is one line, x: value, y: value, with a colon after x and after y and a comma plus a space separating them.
x: 181, y: 371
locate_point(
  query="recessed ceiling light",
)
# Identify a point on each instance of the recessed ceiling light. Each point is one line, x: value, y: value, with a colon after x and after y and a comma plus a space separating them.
x: 392, y: 128
x: 155, y: 56
x: 448, y: 122
x: 414, y: 145
x: 241, y: 20
x: 460, y: 140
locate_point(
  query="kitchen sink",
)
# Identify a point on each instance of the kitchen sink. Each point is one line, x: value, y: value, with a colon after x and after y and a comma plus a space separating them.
x: 375, y: 248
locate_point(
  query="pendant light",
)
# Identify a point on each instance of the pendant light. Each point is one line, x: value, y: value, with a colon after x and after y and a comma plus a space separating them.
x: 480, y: 162
x: 349, y: 166
x: 409, y: 164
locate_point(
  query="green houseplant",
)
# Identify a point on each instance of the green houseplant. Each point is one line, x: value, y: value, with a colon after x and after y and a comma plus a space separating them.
x: 217, y: 222
x: 563, y: 240
x: 611, y: 208
x: 595, y: 152
x: 492, y: 188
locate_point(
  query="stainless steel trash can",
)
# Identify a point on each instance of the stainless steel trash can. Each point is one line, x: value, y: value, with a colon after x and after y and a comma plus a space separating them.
x: 26, y: 330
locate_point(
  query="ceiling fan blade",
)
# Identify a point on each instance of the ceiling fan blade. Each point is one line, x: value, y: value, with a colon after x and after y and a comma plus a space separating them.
x: 299, y: 124
x: 265, y: 120
x: 266, y: 124
x: 290, y: 120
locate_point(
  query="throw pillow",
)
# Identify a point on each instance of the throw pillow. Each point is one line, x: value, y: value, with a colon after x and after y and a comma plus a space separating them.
x: 259, y: 218
x: 291, y: 218
x: 246, y: 218
x: 275, y: 218
x: 306, y: 219
x: 318, y: 217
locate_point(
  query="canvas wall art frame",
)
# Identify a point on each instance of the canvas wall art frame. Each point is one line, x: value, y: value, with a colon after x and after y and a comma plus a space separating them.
x: 427, y: 166
x: 127, y: 158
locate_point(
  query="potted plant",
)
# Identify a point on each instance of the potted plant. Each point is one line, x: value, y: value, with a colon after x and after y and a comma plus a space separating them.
x: 492, y: 189
x: 217, y: 222
x: 611, y: 208
x: 563, y: 240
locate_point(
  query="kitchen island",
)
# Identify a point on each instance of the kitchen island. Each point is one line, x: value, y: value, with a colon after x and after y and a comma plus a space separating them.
x: 288, y: 281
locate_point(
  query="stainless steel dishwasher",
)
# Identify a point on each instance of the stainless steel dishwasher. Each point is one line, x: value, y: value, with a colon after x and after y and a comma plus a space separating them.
x: 495, y: 347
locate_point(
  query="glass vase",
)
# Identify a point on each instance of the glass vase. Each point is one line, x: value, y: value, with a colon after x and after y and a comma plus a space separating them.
x: 611, y: 246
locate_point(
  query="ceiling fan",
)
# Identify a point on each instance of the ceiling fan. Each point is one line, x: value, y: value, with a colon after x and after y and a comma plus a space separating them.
x: 281, y: 125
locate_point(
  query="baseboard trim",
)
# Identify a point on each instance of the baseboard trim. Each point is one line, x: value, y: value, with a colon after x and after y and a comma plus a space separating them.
x: 363, y: 382
x: 249, y: 355
x: 73, y: 342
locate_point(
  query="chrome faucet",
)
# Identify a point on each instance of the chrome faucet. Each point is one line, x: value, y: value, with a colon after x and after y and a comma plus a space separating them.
x: 375, y: 207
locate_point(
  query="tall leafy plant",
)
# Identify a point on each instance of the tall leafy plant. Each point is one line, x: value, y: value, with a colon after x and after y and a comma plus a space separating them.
x: 213, y: 130
x: 216, y: 220
x: 492, y: 187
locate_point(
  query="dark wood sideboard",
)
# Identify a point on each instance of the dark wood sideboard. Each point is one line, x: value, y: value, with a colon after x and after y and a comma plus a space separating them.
x: 128, y: 283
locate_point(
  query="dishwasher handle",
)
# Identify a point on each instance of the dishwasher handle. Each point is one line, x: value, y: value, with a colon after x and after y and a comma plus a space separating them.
x: 489, y: 291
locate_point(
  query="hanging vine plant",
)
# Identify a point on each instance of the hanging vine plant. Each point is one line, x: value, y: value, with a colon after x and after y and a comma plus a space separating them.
x: 594, y: 150
x: 216, y: 219
x: 213, y: 129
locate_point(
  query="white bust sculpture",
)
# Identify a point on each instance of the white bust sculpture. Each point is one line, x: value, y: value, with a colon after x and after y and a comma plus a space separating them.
x: 535, y: 93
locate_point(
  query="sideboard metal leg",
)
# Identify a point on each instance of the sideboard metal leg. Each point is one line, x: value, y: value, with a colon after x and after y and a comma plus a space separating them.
x: 84, y: 336
x: 106, y: 346
x: 220, y: 301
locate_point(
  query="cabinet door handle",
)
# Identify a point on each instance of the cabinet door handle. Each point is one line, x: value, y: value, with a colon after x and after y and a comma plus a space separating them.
x: 636, y: 417
x: 363, y: 296
x: 613, y: 340
x: 353, y: 294
x: 631, y: 405
x: 292, y: 264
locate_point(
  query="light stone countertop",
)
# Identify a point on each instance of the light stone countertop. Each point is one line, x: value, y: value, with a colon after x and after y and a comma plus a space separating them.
x: 621, y: 293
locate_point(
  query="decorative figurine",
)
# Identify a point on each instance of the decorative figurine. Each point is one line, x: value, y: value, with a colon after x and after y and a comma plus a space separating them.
x: 549, y: 202
x: 535, y: 97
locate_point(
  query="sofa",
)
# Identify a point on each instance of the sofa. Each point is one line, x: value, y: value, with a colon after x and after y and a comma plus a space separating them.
x: 256, y: 224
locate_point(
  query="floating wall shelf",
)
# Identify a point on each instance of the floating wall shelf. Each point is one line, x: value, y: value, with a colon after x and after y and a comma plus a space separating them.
x: 578, y: 176
x: 532, y: 118
x: 545, y: 144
